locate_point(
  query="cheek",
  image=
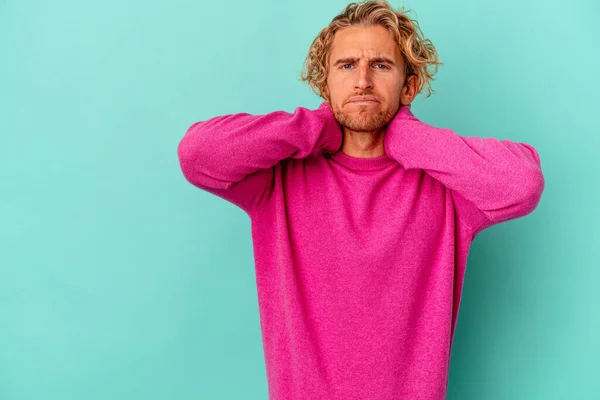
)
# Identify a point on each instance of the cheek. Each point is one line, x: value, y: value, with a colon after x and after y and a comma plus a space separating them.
x: 338, y: 91
x: 334, y: 84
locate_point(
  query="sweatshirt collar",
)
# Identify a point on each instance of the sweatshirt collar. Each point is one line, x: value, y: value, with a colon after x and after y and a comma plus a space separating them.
x: 361, y: 164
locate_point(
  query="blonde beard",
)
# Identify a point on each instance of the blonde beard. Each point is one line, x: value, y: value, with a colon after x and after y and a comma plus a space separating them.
x: 363, y: 122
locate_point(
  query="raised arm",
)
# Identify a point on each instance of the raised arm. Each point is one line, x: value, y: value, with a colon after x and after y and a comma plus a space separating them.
x: 493, y: 180
x: 232, y: 156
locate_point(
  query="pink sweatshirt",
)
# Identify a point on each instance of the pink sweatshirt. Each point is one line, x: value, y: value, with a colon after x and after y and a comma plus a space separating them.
x: 359, y: 261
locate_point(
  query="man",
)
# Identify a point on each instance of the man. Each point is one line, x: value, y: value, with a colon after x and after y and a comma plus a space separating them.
x: 362, y: 215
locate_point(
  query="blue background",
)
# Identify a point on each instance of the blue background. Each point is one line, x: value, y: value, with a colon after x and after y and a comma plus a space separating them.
x: 120, y: 280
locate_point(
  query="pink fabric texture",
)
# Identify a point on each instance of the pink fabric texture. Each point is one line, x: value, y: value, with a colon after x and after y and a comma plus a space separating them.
x: 359, y: 261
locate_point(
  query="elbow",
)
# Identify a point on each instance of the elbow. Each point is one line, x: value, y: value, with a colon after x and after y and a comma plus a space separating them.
x: 190, y: 152
x: 522, y: 194
x: 531, y: 189
x: 186, y: 161
x: 533, y: 181
x: 187, y: 154
x: 199, y: 165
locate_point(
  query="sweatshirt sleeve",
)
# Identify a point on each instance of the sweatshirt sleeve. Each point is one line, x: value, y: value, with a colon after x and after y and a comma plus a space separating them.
x: 232, y: 156
x: 492, y: 180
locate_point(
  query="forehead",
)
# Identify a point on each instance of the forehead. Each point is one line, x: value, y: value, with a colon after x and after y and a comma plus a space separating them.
x: 364, y: 41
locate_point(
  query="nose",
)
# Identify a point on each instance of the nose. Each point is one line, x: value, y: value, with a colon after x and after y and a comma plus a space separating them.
x: 364, y: 78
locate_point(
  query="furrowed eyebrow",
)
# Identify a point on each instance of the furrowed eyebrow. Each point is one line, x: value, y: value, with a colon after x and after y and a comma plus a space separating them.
x: 352, y: 60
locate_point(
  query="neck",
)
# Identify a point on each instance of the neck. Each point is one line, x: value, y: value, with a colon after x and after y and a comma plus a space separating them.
x: 363, y: 144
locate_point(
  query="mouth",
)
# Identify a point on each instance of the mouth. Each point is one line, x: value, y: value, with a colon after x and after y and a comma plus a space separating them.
x: 364, y: 100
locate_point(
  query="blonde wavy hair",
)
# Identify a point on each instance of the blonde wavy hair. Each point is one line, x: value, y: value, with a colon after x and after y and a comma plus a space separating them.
x: 418, y: 53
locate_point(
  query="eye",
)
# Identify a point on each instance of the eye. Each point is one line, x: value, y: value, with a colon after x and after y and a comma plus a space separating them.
x: 383, y: 65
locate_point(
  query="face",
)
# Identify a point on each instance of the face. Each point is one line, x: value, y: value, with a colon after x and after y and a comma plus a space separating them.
x: 365, y: 79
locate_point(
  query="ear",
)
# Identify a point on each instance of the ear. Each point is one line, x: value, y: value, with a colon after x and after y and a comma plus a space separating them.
x: 325, y: 93
x: 409, y: 90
